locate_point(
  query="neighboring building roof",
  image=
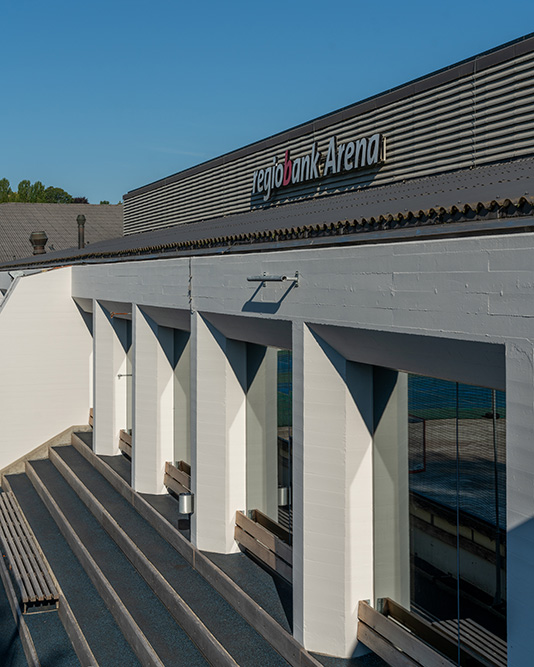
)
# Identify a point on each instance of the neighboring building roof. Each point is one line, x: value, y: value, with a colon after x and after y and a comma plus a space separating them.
x: 481, y: 200
x: 19, y: 220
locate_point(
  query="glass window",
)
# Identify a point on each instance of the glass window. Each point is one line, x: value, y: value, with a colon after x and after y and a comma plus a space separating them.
x: 269, y: 432
x: 447, y: 466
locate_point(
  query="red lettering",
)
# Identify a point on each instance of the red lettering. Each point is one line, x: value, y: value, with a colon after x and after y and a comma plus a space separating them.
x: 288, y: 164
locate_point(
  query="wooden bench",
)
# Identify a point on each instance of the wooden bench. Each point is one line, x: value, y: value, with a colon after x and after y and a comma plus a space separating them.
x: 491, y: 650
x: 285, y: 518
x: 402, y: 637
x: 177, y: 477
x: 24, y: 559
x: 125, y: 443
x: 266, y: 540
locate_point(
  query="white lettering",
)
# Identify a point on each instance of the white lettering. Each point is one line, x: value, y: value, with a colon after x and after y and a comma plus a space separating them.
x: 330, y: 163
x: 314, y: 171
x: 278, y: 175
x: 339, y: 157
x: 373, y: 149
x: 361, y: 149
x: 305, y: 168
x: 267, y: 183
x: 295, y: 176
x: 349, y: 152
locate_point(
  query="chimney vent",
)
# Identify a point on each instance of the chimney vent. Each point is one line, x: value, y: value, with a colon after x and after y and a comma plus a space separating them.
x: 38, y: 241
x: 81, y: 230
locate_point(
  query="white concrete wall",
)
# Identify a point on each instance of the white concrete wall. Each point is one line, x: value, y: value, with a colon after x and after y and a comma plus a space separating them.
x: 153, y: 399
x: 520, y: 499
x: 218, y: 436
x: 332, y: 494
x: 182, y: 396
x: 470, y: 289
x: 262, y: 430
x: 45, y: 349
x: 391, y: 489
x: 110, y: 388
x: 460, y: 309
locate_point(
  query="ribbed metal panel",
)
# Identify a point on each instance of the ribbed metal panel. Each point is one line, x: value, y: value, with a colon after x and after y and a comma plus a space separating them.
x: 477, y: 119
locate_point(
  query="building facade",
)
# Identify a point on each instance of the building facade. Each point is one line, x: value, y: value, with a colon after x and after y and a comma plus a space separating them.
x: 341, y: 338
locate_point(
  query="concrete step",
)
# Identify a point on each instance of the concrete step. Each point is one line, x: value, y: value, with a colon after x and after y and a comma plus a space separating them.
x: 51, y: 642
x: 16, y: 646
x: 256, y: 617
x: 171, y: 576
x: 104, y: 642
x: 153, y: 634
x: 45, y: 631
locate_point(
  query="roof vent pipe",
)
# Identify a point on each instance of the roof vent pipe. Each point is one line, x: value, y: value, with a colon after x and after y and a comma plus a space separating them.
x: 81, y: 230
x: 38, y: 241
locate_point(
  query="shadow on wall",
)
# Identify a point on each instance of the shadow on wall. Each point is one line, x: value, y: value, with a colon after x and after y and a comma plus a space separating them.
x: 267, y: 298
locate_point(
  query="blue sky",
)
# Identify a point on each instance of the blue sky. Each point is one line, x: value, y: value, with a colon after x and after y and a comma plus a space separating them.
x: 102, y: 97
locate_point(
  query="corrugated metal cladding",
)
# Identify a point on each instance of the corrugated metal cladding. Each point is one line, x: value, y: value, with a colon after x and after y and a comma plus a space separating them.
x: 474, y: 120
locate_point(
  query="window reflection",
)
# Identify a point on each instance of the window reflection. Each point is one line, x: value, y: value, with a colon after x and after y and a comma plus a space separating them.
x: 270, y: 433
x: 456, y: 491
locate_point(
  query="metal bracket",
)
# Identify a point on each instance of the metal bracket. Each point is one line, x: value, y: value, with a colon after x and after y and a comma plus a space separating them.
x: 266, y: 278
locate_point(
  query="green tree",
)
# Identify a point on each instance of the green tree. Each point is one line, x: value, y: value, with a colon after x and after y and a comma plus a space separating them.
x: 104, y: 201
x: 24, y: 191
x: 5, y: 190
x: 54, y: 195
x: 37, y: 192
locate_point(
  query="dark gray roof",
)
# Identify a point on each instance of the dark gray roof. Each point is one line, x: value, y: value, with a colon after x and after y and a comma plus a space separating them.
x: 498, y: 193
x: 19, y: 220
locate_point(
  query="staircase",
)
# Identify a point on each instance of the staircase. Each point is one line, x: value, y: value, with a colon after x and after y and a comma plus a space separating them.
x: 138, y: 593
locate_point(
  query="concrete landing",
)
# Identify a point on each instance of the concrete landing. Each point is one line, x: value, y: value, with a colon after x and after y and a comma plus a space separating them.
x: 271, y: 592
x: 370, y: 660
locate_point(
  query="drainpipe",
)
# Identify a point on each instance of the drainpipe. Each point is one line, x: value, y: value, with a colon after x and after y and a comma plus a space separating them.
x: 81, y: 230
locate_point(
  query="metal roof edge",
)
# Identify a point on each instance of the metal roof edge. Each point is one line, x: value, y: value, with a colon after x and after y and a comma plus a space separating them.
x: 472, y: 218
